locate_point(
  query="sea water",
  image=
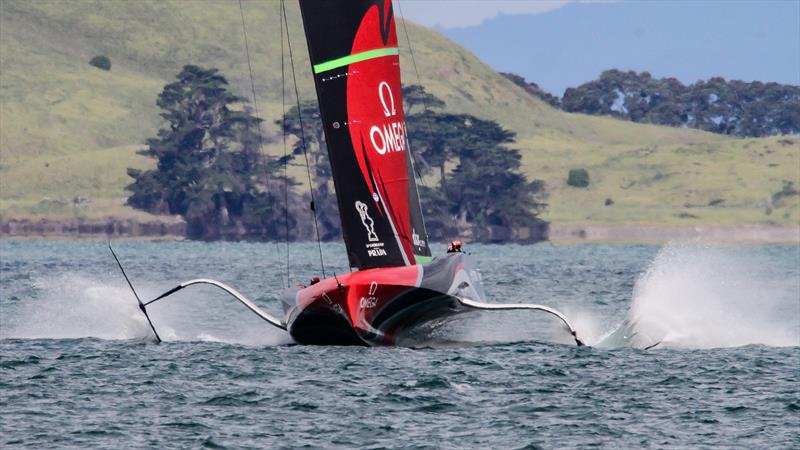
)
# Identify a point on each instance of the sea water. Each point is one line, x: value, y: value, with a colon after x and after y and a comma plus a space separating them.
x: 78, y: 366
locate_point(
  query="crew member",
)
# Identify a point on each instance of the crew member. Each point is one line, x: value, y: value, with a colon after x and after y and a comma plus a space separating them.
x: 454, y: 247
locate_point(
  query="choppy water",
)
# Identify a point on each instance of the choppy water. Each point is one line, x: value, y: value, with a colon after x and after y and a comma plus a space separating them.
x: 77, y: 367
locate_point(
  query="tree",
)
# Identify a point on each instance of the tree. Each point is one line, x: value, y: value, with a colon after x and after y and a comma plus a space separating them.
x: 486, y: 185
x: 533, y: 89
x: 210, y: 168
x: 717, y: 105
x: 485, y: 188
x: 435, y: 138
x: 101, y: 62
x: 578, y: 178
x: 325, y: 205
x: 440, y: 137
x: 416, y: 97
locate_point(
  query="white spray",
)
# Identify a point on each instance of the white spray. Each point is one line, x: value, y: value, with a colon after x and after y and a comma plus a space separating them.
x: 702, y: 297
x: 73, y: 306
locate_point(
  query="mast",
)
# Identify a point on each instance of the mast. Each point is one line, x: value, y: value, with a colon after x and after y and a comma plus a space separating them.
x: 355, y: 60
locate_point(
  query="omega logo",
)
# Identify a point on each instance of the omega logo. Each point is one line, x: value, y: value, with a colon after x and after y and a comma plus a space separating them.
x: 390, y: 137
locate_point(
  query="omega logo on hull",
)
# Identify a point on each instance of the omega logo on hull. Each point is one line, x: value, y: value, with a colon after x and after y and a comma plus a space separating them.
x: 370, y: 301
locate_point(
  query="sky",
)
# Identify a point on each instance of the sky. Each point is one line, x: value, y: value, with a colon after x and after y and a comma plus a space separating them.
x: 563, y: 43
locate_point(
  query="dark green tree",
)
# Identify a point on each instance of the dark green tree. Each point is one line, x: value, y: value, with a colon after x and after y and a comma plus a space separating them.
x: 435, y: 138
x: 533, y: 89
x: 439, y: 138
x: 729, y: 107
x: 416, y: 99
x: 101, y: 62
x: 485, y: 187
x: 327, y: 209
x: 578, y: 178
x: 210, y: 168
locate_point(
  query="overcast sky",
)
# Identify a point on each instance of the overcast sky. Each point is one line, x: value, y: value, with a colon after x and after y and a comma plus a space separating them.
x: 563, y: 43
x: 464, y: 13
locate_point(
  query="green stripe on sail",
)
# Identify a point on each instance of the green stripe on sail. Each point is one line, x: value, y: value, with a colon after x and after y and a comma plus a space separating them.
x: 352, y: 59
x: 423, y: 259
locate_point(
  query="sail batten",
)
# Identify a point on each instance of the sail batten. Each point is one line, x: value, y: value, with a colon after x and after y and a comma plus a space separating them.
x: 361, y: 107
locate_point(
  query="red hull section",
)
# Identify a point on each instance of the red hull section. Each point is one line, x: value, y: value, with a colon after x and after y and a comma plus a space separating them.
x: 376, y: 306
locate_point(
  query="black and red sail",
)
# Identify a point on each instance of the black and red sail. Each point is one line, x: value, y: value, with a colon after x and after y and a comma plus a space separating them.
x: 356, y: 64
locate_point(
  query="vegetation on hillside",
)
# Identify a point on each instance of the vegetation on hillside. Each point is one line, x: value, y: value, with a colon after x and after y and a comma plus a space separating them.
x: 210, y: 169
x: 717, y: 105
x: 533, y: 89
x: 69, y: 130
x: 729, y: 107
x: 101, y: 62
x: 485, y: 187
x: 578, y: 178
x: 309, y: 146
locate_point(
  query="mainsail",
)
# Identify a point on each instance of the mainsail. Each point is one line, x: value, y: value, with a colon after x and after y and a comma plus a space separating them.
x: 356, y: 64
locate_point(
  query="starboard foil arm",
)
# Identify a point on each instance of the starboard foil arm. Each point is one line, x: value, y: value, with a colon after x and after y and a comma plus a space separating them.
x: 139, y: 300
x: 233, y: 292
x: 507, y: 306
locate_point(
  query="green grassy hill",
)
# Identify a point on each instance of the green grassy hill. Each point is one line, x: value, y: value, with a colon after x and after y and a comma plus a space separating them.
x: 69, y: 130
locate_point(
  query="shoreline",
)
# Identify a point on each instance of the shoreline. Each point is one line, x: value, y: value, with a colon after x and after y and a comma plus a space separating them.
x: 91, y: 229
x: 654, y: 234
x: 558, y: 233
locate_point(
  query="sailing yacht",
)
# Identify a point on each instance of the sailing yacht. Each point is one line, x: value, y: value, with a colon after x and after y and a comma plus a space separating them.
x: 395, y: 284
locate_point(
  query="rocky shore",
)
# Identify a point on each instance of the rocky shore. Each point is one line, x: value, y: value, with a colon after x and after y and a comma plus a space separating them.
x: 743, y: 234
x: 78, y: 228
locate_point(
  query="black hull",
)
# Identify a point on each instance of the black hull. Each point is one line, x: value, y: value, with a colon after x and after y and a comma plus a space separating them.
x: 317, y: 326
x: 379, y: 306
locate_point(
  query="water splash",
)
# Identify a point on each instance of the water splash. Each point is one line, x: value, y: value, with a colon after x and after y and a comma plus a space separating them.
x: 689, y: 297
x: 703, y: 297
x: 74, y: 306
x: 589, y: 327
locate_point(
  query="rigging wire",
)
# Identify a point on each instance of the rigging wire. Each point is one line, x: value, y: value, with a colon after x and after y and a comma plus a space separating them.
x: 427, y: 119
x: 303, y: 141
x: 419, y: 82
x: 285, y: 159
x: 270, y: 199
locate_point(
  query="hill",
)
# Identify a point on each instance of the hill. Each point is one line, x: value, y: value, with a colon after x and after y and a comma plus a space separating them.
x: 69, y: 130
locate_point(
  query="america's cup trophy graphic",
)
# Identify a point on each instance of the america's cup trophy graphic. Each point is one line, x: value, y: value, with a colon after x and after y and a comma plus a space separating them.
x: 369, y: 224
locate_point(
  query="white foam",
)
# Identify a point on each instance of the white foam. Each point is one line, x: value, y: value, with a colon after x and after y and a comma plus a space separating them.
x: 703, y: 297
x: 74, y: 306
